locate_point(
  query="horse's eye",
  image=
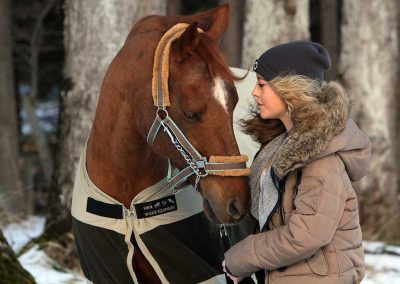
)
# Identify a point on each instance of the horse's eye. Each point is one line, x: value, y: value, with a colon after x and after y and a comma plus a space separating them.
x: 192, y: 115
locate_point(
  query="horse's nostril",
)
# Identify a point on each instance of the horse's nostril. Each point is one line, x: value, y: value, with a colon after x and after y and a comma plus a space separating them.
x: 235, y: 209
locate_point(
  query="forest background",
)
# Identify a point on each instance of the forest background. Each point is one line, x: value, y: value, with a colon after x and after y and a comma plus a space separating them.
x: 54, y: 54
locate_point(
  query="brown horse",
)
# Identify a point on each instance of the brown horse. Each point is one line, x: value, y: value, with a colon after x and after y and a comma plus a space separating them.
x: 202, y: 98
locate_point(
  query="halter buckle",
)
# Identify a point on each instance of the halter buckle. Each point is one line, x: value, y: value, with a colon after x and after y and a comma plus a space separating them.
x: 201, y: 165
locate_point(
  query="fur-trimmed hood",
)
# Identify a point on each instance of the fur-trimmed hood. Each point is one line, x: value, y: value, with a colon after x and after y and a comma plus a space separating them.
x: 328, y: 131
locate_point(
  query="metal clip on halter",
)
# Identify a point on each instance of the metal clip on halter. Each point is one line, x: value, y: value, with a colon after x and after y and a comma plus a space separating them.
x: 201, y: 165
x: 222, y: 231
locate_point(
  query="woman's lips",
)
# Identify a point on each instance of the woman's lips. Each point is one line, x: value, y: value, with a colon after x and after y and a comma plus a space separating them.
x: 258, y: 110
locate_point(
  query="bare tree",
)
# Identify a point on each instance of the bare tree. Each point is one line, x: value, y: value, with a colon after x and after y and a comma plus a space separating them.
x: 94, y: 32
x: 325, y: 29
x: 174, y: 7
x: 330, y: 33
x: 369, y: 68
x: 232, y: 41
x: 29, y: 46
x: 268, y: 23
x: 10, y: 187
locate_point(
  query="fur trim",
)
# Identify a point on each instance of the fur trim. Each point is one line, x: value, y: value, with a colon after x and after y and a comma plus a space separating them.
x: 312, y: 136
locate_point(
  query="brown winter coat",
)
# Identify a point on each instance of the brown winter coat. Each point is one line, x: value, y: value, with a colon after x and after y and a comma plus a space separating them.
x: 320, y: 240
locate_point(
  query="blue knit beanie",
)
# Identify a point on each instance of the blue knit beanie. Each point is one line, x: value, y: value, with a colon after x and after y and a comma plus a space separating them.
x: 299, y: 57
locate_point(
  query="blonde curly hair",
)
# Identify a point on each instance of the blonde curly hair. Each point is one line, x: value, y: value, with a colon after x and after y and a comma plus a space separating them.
x: 301, y: 93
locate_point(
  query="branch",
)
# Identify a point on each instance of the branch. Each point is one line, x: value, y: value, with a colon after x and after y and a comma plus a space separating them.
x: 37, y: 30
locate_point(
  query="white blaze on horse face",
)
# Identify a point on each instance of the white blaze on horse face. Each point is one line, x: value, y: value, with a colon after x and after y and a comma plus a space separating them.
x: 220, y: 93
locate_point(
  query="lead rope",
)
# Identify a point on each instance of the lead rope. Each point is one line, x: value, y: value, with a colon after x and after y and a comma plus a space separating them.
x: 128, y: 215
x: 131, y: 249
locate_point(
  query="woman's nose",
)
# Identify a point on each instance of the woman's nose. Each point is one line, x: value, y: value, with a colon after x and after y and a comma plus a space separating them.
x: 255, y: 93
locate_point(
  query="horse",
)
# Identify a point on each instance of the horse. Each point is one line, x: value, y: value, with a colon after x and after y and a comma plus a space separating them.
x: 162, y: 144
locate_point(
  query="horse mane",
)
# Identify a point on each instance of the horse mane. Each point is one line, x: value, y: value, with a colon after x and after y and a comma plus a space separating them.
x: 209, y: 50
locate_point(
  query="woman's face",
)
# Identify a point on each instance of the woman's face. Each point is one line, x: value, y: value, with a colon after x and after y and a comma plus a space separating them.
x: 269, y: 104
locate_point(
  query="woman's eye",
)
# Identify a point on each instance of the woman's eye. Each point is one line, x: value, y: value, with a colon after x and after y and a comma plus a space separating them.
x: 192, y: 115
x: 260, y: 85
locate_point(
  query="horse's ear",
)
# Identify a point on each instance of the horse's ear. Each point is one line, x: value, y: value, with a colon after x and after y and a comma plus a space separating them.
x: 215, y: 22
x: 187, y: 42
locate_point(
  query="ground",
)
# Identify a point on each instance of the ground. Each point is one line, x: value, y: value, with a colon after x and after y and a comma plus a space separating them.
x: 42, y: 268
x: 383, y: 261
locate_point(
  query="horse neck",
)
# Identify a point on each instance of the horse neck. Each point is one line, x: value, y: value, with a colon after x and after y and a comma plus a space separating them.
x: 119, y: 160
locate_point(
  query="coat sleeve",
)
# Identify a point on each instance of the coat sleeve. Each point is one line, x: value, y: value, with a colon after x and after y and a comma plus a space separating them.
x: 319, y: 206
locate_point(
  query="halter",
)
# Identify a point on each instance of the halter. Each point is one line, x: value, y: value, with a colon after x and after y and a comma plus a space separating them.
x: 197, y: 164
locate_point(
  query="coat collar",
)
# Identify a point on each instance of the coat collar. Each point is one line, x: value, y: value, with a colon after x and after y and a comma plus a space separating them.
x: 308, y: 139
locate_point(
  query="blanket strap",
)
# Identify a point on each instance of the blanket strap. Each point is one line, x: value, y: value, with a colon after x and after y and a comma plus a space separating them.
x: 131, y: 249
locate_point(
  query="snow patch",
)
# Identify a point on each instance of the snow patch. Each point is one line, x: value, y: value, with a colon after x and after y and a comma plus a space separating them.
x: 47, y: 271
x: 382, y: 263
x: 42, y: 268
x: 19, y: 234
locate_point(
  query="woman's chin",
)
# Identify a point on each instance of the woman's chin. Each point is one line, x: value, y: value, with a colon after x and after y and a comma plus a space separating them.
x: 265, y: 115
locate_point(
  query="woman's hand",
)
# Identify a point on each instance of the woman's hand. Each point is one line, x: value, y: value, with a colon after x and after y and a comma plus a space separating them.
x: 234, y: 278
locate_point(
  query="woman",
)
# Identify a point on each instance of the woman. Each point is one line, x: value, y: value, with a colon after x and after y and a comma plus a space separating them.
x: 302, y: 196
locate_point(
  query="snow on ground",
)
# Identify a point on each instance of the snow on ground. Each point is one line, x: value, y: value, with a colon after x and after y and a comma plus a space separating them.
x: 45, y: 270
x: 382, y: 261
x: 42, y: 268
x: 21, y: 233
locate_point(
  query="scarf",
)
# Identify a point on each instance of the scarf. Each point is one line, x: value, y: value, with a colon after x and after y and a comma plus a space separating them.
x: 264, y: 194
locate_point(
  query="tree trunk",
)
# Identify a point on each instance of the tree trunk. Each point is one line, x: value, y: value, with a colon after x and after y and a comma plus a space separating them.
x: 29, y: 102
x: 11, y: 270
x: 369, y: 68
x: 10, y: 187
x: 329, y: 15
x: 45, y: 155
x: 94, y: 32
x: 268, y: 23
x: 174, y: 7
x: 232, y: 41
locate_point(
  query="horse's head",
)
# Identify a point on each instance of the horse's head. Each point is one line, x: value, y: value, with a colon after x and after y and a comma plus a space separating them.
x: 202, y: 99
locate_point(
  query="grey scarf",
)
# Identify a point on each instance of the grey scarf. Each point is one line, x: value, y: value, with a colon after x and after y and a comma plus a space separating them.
x: 264, y: 195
